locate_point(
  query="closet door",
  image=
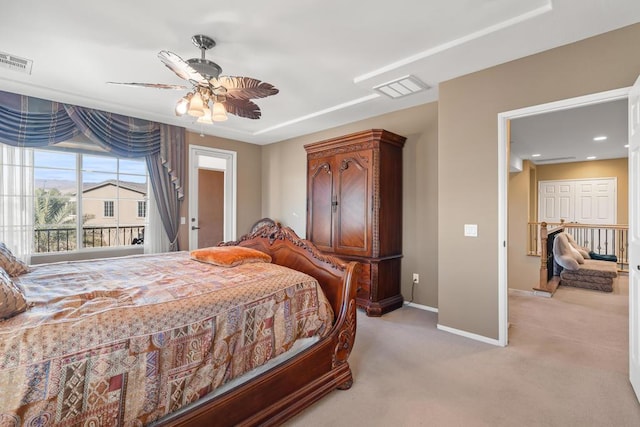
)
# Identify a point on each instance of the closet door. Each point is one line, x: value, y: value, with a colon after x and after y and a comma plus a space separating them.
x: 353, y: 183
x: 556, y: 201
x: 321, y: 203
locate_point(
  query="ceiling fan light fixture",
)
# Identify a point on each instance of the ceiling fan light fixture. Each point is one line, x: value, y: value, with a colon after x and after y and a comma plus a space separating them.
x: 182, y: 106
x: 196, y: 106
x: 212, y: 96
x: 219, y: 112
x: 206, y: 117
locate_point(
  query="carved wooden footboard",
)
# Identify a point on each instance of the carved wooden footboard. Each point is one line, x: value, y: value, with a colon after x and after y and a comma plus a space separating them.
x: 280, y: 393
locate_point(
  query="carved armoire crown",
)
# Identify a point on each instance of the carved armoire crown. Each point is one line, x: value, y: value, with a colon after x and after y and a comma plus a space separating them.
x: 354, y: 210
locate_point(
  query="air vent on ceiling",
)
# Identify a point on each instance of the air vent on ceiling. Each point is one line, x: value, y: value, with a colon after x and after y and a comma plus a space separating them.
x: 555, y: 159
x: 403, y: 86
x: 15, y: 63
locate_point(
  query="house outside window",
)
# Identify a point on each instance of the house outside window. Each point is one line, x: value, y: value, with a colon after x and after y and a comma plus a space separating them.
x: 86, y: 201
x: 108, y: 209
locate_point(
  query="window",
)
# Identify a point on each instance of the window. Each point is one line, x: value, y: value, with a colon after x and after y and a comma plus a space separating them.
x: 142, y: 208
x: 108, y: 208
x: 86, y: 200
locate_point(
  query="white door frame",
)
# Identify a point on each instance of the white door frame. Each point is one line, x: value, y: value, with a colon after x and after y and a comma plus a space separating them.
x: 230, y: 190
x: 634, y: 237
x: 503, y: 170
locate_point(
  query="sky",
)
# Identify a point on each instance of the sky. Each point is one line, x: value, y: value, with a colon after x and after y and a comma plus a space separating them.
x: 51, y: 165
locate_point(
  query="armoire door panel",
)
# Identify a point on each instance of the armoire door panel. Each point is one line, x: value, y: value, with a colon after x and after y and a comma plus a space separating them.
x: 354, y: 207
x: 320, y: 193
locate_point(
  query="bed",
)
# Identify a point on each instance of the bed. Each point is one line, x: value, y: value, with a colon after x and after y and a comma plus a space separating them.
x: 161, y: 352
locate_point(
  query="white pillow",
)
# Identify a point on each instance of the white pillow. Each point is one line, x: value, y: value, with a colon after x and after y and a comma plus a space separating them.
x: 576, y: 255
x: 562, y: 254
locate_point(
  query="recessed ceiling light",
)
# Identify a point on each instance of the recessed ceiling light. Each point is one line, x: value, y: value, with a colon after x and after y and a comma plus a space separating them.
x: 591, y: 157
x: 626, y: 145
x: 536, y: 155
x: 600, y: 138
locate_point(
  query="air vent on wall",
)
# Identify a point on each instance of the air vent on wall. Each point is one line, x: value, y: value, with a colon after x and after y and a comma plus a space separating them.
x: 15, y: 63
x: 403, y: 86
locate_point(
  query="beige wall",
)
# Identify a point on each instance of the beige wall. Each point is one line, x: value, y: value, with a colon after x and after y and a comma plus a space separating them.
x: 468, y: 137
x: 284, y: 170
x: 613, y: 168
x: 523, y: 269
x: 249, y: 187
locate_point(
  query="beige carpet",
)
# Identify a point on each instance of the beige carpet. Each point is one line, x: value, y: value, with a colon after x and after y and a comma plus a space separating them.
x: 566, y: 365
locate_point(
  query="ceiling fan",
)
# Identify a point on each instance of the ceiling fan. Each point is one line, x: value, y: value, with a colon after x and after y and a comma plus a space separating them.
x: 212, y: 96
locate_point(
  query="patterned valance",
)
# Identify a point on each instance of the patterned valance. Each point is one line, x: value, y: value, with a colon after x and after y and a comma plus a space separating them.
x: 34, y: 122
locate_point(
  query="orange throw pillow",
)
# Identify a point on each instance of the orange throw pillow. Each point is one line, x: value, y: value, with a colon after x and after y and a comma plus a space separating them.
x: 229, y: 256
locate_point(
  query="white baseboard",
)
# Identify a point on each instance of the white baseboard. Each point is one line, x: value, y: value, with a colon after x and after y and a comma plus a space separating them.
x: 469, y: 335
x: 421, y: 307
x: 521, y: 292
x: 542, y: 294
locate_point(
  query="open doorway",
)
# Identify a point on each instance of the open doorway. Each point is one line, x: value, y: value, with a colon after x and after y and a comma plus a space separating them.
x: 212, y: 196
x: 504, y: 121
x: 630, y: 311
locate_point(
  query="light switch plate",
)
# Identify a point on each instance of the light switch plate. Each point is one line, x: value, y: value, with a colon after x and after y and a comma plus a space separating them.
x: 471, y: 230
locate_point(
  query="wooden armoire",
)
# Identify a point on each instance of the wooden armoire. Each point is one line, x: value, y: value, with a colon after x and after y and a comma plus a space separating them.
x: 354, y: 210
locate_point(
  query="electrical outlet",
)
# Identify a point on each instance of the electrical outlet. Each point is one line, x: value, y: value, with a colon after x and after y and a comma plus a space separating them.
x: 416, y: 278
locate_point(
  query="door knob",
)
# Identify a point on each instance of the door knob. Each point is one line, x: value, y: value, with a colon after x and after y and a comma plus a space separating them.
x: 193, y: 227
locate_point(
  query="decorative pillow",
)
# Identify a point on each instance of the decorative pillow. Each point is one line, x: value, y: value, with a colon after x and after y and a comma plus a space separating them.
x: 229, y: 256
x: 12, y: 300
x: 562, y: 253
x: 12, y: 265
x: 582, y: 251
x: 576, y: 255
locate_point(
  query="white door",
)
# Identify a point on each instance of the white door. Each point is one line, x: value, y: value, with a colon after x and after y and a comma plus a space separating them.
x: 596, y: 201
x: 210, y: 159
x: 634, y: 237
x: 555, y: 201
x: 586, y: 201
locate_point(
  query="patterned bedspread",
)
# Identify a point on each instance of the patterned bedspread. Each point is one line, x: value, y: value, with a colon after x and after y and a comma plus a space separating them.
x: 126, y: 341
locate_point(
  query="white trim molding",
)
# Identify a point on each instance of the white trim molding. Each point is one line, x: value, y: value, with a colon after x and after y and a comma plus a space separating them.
x: 470, y: 335
x: 421, y: 307
x: 513, y: 291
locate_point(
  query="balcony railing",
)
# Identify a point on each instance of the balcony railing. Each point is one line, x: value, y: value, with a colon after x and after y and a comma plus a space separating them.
x: 601, y: 239
x: 59, y: 239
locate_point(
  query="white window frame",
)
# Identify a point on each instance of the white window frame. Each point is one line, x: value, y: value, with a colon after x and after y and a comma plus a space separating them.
x: 144, y: 204
x: 104, y: 209
x: 82, y: 252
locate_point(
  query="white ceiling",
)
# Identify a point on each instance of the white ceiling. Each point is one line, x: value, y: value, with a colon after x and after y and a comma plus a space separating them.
x: 568, y: 135
x: 324, y: 56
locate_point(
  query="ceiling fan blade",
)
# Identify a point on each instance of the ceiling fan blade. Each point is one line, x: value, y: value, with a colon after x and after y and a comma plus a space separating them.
x: 153, y: 85
x: 242, y: 108
x: 244, y: 87
x: 179, y: 66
